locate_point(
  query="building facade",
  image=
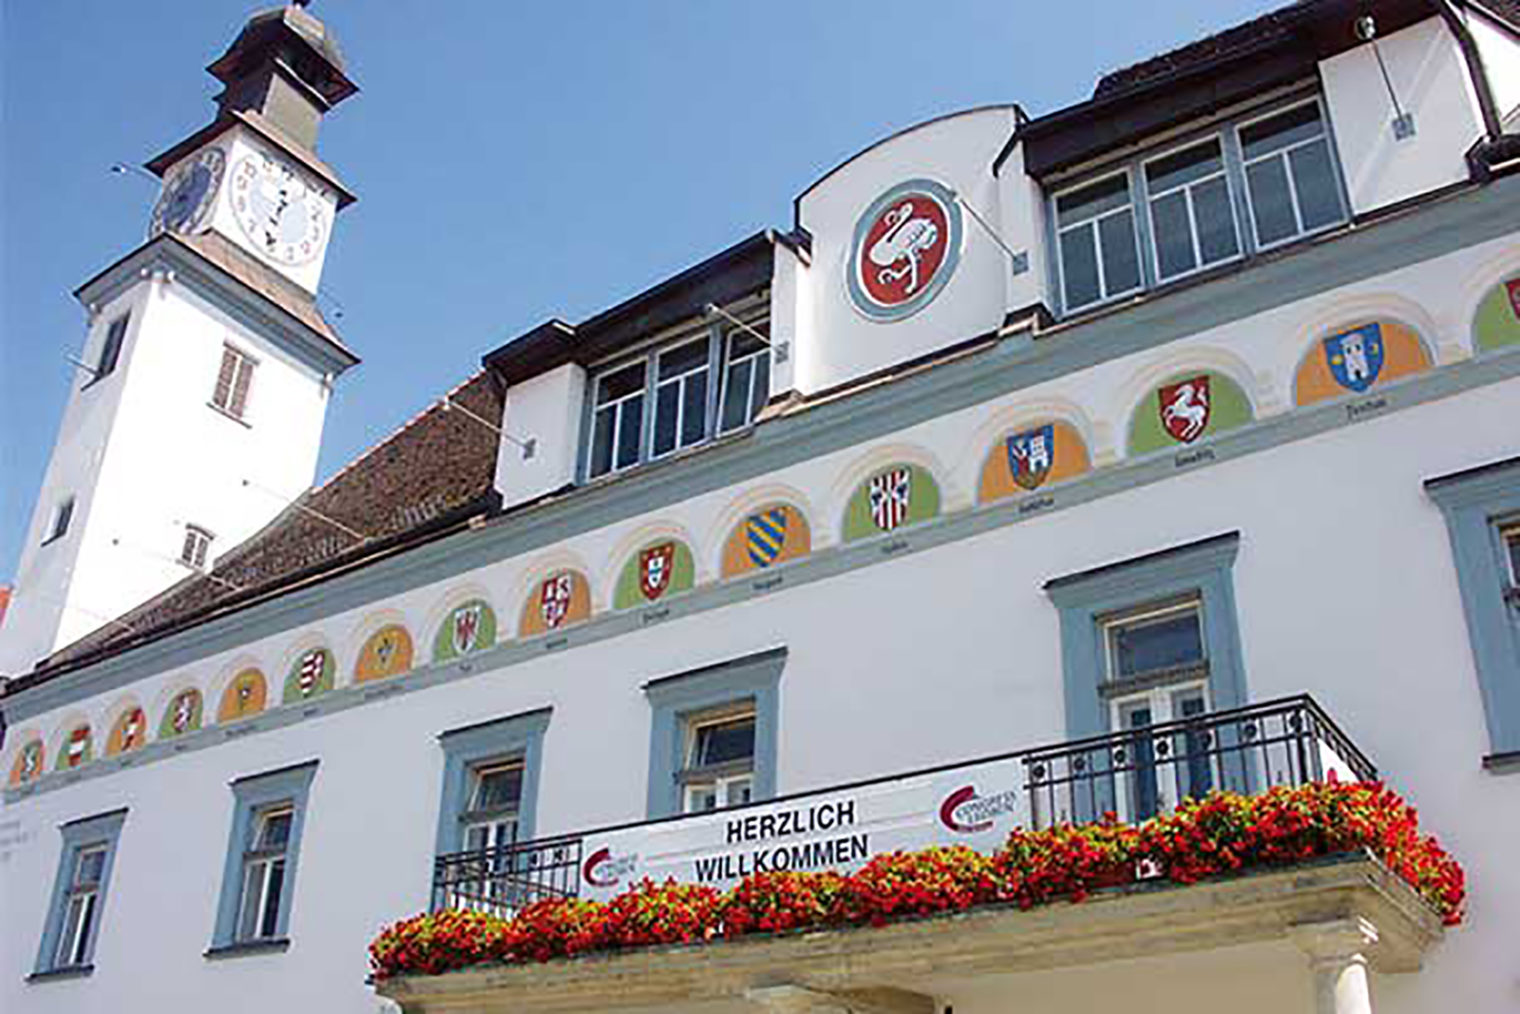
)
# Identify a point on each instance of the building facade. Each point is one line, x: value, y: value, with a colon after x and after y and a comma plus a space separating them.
x: 1158, y: 412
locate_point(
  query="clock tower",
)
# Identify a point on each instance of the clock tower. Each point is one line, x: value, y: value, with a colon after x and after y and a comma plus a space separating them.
x: 206, y: 363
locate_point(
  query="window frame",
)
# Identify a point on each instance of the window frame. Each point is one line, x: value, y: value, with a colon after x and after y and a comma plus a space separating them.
x: 1216, y: 135
x: 265, y: 859
x: 62, y: 519
x: 1150, y: 610
x: 732, y: 334
x: 716, y: 334
x: 199, y: 557
x: 468, y: 750
x: 102, y: 831
x: 254, y: 798
x: 110, y: 346
x: 245, y: 364
x: 1239, y: 126
x: 1480, y: 506
x: 1084, y: 182
x: 706, y: 693
x: 719, y: 777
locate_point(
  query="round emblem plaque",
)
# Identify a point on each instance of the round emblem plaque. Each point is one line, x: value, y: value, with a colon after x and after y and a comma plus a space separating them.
x: 905, y: 249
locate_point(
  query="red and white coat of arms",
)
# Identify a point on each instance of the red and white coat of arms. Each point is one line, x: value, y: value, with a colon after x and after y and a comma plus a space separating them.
x: 1513, y: 288
x: 891, y: 494
x: 554, y: 599
x: 312, y: 665
x: 466, y: 629
x: 655, y: 567
x: 1184, y: 408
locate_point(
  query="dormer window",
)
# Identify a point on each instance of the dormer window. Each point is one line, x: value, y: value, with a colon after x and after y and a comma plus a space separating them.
x: 1165, y: 214
x: 669, y: 397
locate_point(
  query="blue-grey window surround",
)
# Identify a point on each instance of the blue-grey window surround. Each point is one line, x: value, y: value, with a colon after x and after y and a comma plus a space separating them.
x: 103, y: 829
x: 518, y: 736
x: 1201, y: 569
x: 674, y: 699
x: 252, y: 795
x: 1476, y: 504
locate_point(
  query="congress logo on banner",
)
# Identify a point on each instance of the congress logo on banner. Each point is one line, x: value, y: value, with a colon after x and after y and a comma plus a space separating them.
x: 554, y: 599
x: 1031, y: 455
x: 905, y: 248
x: 765, y: 535
x: 655, y: 566
x: 1184, y: 408
x: 1355, y: 357
x: 891, y: 492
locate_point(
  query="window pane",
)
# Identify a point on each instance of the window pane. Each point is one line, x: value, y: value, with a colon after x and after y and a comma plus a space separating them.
x: 1271, y: 205
x: 620, y: 383
x: 666, y: 400
x: 1215, y: 220
x: 89, y: 867
x: 739, y: 792
x: 694, y: 411
x: 497, y: 788
x: 760, y: 392
x: 630, y: 431
x: 1079, y: 266
x: 1174, y: 234
x: 253, y: 890
x: 272, y: 891
x: 742, y: 343
x: 601, y: 441
x: 1161, y: 642
x: 477, y: 837
x: 735, y: 394
x: 1121, y: 265
x: 700, y: 799
x: 68, y: 939
x: 1512, y: 540
x: 274, y: 832
x: 724, y: 741
x: 1281, y: 130
x: 111, y: 351
x: 683, y: 359
x: 1092, y: 200
x: 1182, y: 167
x: 1314, y: 178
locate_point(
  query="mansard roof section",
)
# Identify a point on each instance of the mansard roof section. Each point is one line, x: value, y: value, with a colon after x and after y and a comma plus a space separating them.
x: 236, y: 283
x: 432, y: 476
x: 741, y: 270
x: 1275, y: 50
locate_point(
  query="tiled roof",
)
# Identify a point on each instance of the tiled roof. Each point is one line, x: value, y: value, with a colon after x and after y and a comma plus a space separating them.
x: 435, y: 471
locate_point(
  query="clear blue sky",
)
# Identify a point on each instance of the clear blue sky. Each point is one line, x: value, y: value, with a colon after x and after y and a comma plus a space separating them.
x: 513, y: 161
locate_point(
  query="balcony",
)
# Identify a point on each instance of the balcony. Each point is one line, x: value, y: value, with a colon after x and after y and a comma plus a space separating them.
x: 1347, y: 911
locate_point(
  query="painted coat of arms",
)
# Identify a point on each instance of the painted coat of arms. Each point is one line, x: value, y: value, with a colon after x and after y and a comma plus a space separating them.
x: 1184, y: 408
x: 79, y: 742
x: 891, y: 492
x: 904, y: 249
x: 1031, y: 455
x: 1355, y: 357
x: 554, y: 599
x: 132, y: 729
x: 31, y: 761
x: 184, y: 712
x: 385, y: 649
x: 655, y: 567
x: 310, y: 674
x: 1513, y: 288
x: 765, y: 535
x: 467, y: 628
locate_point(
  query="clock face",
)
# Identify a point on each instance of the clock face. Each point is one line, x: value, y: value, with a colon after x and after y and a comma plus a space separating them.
x: 284, y: 218
x: 189, y: 194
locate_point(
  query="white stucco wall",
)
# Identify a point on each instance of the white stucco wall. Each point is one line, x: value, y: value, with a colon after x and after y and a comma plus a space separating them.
x: 1431, y: 81
x: 1344, y: 586
x: 547, y: 410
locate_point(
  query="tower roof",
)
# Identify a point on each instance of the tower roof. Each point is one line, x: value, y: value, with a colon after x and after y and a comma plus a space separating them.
x: 269, y: 34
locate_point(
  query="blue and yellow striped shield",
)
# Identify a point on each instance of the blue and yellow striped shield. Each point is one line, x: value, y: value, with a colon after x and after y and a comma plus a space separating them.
x: 766, y: 534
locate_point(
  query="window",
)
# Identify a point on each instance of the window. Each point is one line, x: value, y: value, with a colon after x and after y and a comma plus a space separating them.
x: 490, y: 818
x: 1154, y: 218
x: 79, y: 894
x: 193, y: 552
x: 1156, y: 639
x: 1096, y: 230
x: 1192, y: 215
x: 747, y: 378
x: 669, y: 397
x: 110, y: 349
x: 264, y: 865
x: 1482, y: 511
x: 720, y: 761
x: 1290, y: 175
x: 232, y: 382
x: 62, y: 515
x: 713, y: 735
x: 259, y: 877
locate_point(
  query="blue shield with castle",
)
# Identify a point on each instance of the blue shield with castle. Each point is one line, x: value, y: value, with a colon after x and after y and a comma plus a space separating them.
x: 1031, y: 455
x: 1355, y: 357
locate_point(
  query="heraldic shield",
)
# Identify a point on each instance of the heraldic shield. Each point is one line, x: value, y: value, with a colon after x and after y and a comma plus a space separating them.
x: 1512, y: 287
x: 1184, y: 408
x: 1355, y: 357
x: 655, y: 567
x: 1031, y: 455
x: 765, y: 536
x: 466, y: 628
x: 554, y: 599
x: 891, y: 493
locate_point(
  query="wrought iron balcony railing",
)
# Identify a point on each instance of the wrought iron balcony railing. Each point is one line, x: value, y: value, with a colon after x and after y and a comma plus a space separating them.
x: 1134, y: 774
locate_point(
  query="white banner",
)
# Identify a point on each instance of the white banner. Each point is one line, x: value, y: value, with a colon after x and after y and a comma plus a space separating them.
x: 975, y: 805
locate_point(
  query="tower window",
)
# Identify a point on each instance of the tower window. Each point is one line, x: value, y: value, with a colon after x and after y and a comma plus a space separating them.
x: 197, y: 542
x: 62, y: 515
x: 110, y: 350
x: 232, y: 382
